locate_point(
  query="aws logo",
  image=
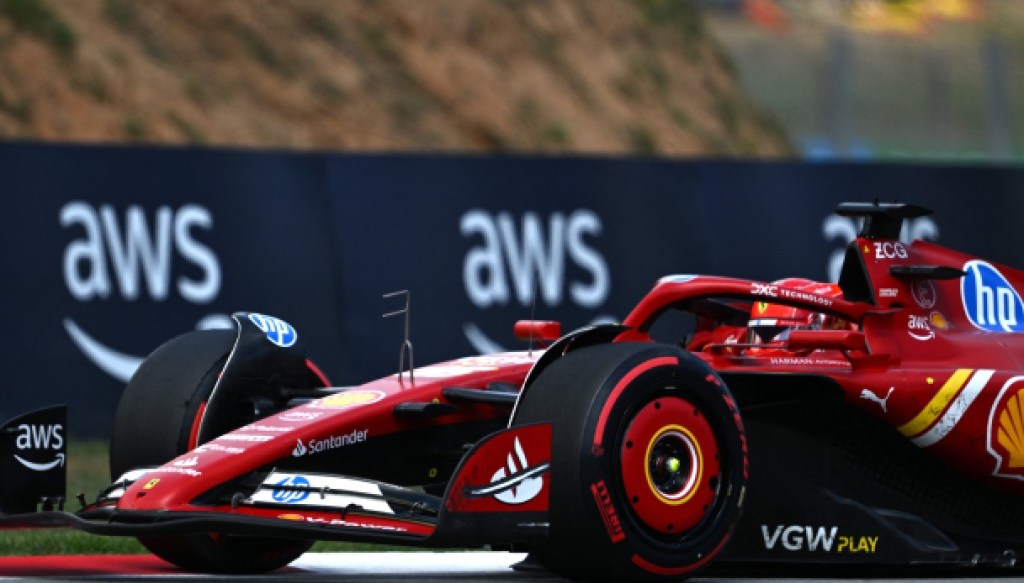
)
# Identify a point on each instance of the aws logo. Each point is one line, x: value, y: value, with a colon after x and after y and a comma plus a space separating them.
x: 520, y: 260
x: 32, y: 439
x: 131, y: 255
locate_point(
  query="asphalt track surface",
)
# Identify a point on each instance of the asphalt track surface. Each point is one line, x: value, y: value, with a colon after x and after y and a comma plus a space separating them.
x: 376, y: 568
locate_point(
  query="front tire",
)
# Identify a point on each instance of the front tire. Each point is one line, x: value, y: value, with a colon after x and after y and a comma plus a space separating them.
x: 157, y: 420
x: 163, y: 400
x: 648, y: 462
x: 212, y: 552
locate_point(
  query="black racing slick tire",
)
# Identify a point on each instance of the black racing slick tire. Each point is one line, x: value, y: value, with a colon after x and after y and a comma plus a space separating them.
x: 157, y: 420
x: 212, y: 552
x: 648, y: 462
x: 164, y: 398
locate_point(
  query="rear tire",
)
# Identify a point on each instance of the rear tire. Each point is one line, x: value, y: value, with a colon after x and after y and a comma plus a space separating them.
x: 648, y: 462
x: 156, y: 422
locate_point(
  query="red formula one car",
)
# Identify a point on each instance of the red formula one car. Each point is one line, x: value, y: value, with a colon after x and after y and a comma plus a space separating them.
x: 879, y: 421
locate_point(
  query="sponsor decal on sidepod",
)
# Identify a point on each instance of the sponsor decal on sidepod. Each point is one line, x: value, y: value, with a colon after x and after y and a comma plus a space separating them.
x: 1005, y: 435
x: 918, y: 328
x: 815, y: 539
x: 989, y: 301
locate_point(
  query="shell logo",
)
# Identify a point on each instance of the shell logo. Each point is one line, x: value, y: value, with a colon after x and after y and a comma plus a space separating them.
x: 1011, y: 430
x: 1006, y: 430
x: 938, y: 321
x: 350, y: 399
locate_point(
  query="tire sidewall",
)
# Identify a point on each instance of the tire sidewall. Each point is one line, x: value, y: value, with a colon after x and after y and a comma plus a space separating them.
x: 160, y: 403
x: 154, y: 423
x: 588, y: 494
x: 690, y: 383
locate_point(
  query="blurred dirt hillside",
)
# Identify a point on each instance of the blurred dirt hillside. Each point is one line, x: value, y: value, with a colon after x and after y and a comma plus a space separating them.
x: 583, y: 76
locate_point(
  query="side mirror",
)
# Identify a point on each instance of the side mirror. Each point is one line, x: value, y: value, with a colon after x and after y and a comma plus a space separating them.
x: 538, y: 330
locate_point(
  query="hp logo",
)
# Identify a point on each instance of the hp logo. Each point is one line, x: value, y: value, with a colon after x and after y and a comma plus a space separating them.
x: 990, y: 302
x: 277, y: 330
x: 288, y: 495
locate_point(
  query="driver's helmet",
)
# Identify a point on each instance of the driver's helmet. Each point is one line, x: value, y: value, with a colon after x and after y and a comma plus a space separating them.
x: 770, y: 323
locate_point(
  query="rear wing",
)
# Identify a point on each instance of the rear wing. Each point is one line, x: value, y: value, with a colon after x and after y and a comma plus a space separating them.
x: 33, y: 461
x: 876, y: 260
x: 882, y: 220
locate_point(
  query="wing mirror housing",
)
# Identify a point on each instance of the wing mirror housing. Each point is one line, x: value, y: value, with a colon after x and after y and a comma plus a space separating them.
x: 538, y: 330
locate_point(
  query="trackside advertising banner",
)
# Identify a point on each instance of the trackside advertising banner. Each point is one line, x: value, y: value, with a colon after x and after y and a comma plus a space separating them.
x: 108, y: 252
x: 482, y: 242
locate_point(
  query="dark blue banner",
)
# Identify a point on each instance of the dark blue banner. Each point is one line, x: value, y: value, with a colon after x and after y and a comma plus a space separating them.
x: 110, y: 251
x: 482, y: 242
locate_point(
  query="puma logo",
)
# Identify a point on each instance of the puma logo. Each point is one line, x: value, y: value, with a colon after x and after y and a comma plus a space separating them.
x: 870, y: 396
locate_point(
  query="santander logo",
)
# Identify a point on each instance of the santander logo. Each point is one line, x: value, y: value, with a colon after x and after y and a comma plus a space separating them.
x: 129, y: 255
x: 527, y: 489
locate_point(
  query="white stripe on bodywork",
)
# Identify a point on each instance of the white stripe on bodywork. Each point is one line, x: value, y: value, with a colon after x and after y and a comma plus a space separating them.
x: 956, y: 410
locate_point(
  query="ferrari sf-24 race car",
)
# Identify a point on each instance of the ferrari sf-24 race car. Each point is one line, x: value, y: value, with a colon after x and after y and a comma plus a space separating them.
x: 877, y: 421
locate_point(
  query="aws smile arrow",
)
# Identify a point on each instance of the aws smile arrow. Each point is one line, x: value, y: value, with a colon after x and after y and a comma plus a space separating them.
x: 41, y: 467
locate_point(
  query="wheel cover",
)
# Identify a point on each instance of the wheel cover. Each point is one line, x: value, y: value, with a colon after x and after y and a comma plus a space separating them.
x: 670, y: 465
